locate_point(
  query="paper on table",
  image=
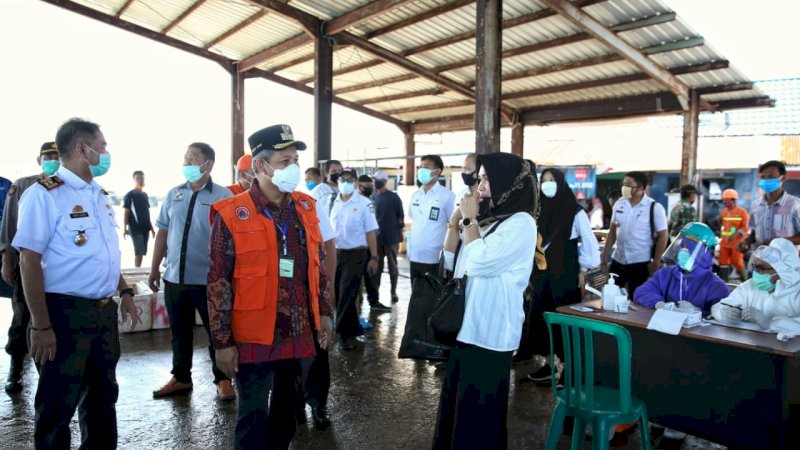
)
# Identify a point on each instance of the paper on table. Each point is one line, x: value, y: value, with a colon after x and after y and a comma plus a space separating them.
x: 669, y: 322
x: 742, y: 326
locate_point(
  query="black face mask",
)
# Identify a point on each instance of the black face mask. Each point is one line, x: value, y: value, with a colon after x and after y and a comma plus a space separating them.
x: 379, y: 184
x: 469, y: 178
x: 366, y: 192
x: 334, y: 177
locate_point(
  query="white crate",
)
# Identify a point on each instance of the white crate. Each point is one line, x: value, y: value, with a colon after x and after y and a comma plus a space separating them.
x: 160, y: 317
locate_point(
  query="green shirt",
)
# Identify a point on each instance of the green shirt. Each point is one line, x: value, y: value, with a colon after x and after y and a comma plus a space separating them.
x: 681, y: 214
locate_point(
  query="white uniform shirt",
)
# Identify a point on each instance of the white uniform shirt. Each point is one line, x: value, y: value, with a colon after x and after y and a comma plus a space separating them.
x: 430, y: 212
x: 352, y: 220
x: 496, y: 281
x: 325, y: 227
x: 589, y: 249
x: 634, y: 237
x: 324, y: 194
x: 50, y: 220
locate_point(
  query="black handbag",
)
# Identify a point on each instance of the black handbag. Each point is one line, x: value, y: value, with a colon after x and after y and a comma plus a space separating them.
x: 448, y: 315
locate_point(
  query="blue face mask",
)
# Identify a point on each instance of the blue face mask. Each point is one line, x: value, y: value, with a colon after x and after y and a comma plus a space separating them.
x: 50, y: 167
x: 311, y: 185
x: 193, y: 174
x: 425, y: 175
x: 102, y: 166
x: 685, y: 260
x: 770, y: 185
x: 763, y: 281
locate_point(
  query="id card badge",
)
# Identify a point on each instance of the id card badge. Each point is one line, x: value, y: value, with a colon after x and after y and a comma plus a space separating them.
x: 286, y: 267
x: 434, y: 214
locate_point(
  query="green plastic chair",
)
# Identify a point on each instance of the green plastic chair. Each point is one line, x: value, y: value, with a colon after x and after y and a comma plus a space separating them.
x: 580, y: 398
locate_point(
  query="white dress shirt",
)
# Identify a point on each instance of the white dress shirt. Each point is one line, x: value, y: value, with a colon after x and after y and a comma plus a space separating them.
x: 589, y: 249
x: 430, y: 212
x: 352, y: 220
x: 49, y: 222
x: 634, y: 239
x: 324, y: 194
x: 325, y: 227
x: 498, y: 269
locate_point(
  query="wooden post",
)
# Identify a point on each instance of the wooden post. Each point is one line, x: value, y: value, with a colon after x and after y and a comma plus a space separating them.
x: 517, y: 138
x: 487, y: 75
x: 237, y: 116
x: 691, y: 120
x: 323, y: 98
x: 410, y: 177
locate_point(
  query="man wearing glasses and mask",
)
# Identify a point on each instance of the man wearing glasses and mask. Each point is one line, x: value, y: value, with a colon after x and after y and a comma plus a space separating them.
x: 639, y: 228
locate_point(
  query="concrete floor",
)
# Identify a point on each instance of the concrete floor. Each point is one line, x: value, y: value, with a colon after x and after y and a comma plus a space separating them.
x: 377, y: 401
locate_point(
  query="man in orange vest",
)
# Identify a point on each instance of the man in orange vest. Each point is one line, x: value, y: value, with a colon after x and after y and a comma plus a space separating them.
x: 268, y: 290
x: 733, y: 228
x: 244, y: 175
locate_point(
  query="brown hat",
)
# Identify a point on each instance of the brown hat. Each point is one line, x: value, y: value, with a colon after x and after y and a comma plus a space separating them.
x: 48, y: 148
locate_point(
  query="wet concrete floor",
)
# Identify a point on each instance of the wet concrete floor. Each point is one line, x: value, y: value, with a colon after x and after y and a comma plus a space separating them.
x: 377, y: 401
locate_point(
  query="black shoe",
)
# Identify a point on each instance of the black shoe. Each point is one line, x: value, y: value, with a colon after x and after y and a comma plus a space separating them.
x: 542, y: 376
x: 379, y: 307
x: 14, y: 380
x: 395, y: 298
x: 321, y: 419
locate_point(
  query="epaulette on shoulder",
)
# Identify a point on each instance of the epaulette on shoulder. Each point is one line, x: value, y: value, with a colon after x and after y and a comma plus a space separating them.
x: 104, y: 192
x: 50, y: 183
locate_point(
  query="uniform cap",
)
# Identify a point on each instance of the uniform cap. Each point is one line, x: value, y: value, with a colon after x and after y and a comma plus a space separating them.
x: 244, y: 163
x: 730, y: 194
x: 275, y: 137
x: 48, y: 148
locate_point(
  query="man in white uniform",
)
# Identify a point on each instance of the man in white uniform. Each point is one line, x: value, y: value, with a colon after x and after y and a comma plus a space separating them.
x: 70, y: 266
x: 325, y: 193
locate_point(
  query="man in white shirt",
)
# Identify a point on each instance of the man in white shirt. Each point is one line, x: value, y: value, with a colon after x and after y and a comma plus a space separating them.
x: 430, y: 210
x: 325, y: 193
x: 356, y: 246
x: 639, y: 228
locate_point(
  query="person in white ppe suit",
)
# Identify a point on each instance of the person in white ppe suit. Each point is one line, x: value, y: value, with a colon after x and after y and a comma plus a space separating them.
x: 771, y: 298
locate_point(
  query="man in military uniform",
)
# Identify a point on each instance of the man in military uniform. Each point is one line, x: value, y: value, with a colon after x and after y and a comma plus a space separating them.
x: 17, y: 345
x: 268, y: 290
x: 70, y: 265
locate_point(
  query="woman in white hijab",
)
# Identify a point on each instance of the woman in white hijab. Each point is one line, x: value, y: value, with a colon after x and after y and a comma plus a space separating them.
x: 772, y: 297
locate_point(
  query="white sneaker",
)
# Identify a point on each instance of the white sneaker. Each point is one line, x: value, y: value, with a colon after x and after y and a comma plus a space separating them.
x: 669, y: 433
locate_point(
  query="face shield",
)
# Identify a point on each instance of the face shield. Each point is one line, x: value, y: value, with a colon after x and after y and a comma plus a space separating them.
x: 685, y: 252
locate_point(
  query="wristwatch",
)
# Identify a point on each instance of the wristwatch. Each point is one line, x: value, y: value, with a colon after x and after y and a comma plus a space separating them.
x: 125, y: 291
x: 374, y: 258
x: 468, y: 222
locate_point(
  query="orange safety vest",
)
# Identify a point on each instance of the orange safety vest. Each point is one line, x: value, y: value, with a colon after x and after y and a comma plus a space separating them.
x: 255, y: 271
x: 236, y: 189
x: 732, y: 221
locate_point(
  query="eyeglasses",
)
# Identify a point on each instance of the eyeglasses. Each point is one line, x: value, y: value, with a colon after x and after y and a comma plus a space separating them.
x: 632, y: 186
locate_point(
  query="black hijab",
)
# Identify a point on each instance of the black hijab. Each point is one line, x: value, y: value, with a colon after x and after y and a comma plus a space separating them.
x: 513, y: 183
x: 556, y: 219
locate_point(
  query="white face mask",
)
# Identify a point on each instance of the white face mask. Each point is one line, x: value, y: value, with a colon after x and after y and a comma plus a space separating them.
x: 286, y: 179
x: 347, y: 188
x: 549, y: 189
x: 627, y: 192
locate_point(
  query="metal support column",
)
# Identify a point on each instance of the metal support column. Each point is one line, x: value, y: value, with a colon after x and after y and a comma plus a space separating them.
x: 323, y: 98
x: 691, y: 120
x: 237, y: 116
x: 487, y: 75
x: 411, y: 149
x: 517, y: 138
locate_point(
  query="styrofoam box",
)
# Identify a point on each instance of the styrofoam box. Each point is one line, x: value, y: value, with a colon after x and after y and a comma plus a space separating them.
x: 143, y: 304
x: 159, y: 312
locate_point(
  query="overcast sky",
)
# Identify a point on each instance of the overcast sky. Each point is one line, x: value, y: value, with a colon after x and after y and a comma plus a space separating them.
x: 152, y: 100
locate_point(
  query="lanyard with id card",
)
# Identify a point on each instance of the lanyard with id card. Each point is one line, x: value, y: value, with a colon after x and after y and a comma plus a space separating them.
x: 285, y: 260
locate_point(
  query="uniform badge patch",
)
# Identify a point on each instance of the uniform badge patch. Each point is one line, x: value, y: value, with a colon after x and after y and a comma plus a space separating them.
x: 50, y: 183
x: 304, y: 203
x: 78, y: 212
x: 12, y: 190
x: 242, y: 212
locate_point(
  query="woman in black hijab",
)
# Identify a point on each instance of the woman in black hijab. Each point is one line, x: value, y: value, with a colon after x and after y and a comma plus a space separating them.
x: 562, y: 223
x: 498, y: 235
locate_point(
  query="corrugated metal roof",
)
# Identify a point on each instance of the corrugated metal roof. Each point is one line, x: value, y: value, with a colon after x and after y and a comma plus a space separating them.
x: 564, y: 66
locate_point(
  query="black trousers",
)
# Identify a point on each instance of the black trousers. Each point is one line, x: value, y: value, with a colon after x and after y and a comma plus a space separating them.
x: 630, y: 276
x: 317, y: 379
x: 266, y: 392
x: 474, y: 403
x: 17, y: 345
x: 82, y: 375
x: 182, y: 302
x: 549, y: 293
x: 349, y: 268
